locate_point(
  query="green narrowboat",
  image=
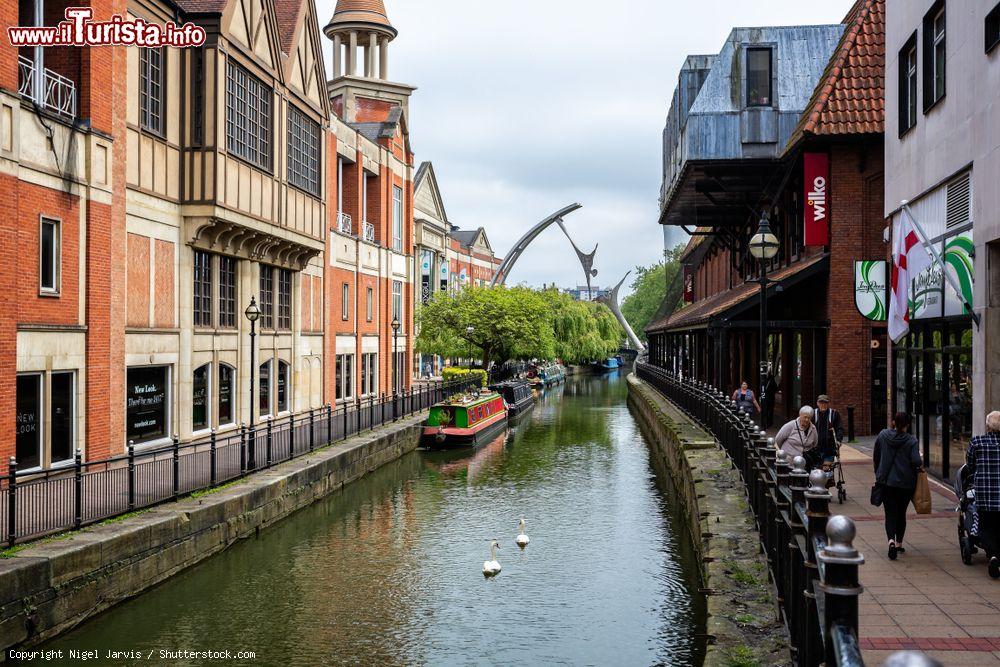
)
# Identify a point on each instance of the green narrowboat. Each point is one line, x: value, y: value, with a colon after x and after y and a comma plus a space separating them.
x: 465, y: 420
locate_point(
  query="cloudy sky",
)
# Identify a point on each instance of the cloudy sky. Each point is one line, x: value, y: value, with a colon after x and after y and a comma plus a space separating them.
x: 525, y: 107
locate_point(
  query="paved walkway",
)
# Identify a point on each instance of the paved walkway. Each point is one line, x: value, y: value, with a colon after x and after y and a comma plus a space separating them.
x: 927, y: 599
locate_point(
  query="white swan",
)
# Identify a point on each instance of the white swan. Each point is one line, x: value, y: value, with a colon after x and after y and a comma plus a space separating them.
x: 522, y: 539
x: 491, y: 567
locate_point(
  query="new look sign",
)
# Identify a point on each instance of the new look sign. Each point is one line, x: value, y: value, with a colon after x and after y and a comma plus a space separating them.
x: 816, y: 216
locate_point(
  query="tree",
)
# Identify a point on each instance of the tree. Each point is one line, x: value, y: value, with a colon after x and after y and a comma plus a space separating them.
x: 649, y: 288
x: 583, y: 331
x: 507, y: 323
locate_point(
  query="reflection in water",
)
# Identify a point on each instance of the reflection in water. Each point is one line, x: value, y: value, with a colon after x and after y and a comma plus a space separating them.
x: 388, y: 571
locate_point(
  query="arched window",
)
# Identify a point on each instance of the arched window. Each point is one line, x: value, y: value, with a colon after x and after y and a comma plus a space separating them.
x: 227, y: 375
x: 200, y: 413
x: 284, y: 385
x: 264, y: 403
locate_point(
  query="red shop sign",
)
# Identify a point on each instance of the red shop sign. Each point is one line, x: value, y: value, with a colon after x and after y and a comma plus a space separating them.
x: 816, y: 216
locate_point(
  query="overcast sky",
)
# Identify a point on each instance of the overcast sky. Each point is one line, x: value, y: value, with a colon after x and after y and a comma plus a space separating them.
x: 525, y: 107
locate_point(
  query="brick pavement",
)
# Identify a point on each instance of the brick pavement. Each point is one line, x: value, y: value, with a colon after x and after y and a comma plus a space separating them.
x: 927, y: 599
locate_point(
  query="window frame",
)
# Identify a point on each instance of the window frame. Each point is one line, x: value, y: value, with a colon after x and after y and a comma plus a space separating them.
x: 227, y: 293
x: 40, y: 410
x: 269, y: 401
x: 202, y: 289
x: 397, y: 218
x: 232, y: 394
x: 284, y: 372
x: 369, y: 303
x: 770, y: 78
x: 991, y: 29
x: 56, y: 224
x: 397, y: 301
x: 285, y: 289
x: 48, y: 436
x: 146, y: 84
x: 168, y: 413
x: 209, y: 390
x: 256, y: 149
x: 932, y: 43
x: 345, y: 301
x: 303, y: 165
x: 265, y: 293
x: 907, y: 85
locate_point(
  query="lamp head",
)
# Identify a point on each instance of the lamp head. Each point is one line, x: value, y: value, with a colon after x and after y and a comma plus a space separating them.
x: 253, y: 311
x: 395, y: 324
x: 764, y: 244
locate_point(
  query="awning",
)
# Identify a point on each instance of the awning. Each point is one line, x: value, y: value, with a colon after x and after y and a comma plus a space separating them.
x: 725, y: 305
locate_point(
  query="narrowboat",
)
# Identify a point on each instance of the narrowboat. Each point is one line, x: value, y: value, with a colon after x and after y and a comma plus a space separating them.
x: 552, y: 374
x: 609, y: 364
x: 517, y: 395
x: 466, y: 419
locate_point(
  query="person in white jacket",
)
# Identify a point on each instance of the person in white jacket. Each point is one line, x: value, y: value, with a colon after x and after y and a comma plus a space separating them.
x: 798, y: 437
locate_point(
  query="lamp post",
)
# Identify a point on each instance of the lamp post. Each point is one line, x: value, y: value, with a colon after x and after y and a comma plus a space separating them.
x: 763, y: 246
x: 469, y: 330
x: 253, y: 314
x: 395, y: 370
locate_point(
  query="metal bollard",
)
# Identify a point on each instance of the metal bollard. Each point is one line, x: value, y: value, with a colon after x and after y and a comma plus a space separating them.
x: 267, y: 449
x: 78, y: 489
x: 839, y: 564
x: 213, y: 465
x: 131, y: 475
x: 177, y: 467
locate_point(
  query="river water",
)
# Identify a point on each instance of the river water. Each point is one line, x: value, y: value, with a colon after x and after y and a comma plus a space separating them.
x: 388, y: 571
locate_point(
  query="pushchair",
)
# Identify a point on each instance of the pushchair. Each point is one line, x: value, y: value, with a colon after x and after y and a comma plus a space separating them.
x: 968, y: 517
x: 835, y: 474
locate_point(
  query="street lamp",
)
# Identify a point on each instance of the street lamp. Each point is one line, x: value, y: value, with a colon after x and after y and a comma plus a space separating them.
x: 253, y: 314
x: 763, y: 246
x: 469, y: 330
x: 395, y: 356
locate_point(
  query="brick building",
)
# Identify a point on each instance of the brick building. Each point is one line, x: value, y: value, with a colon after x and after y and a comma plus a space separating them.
x: 151, y: 193
x: 801, y: 120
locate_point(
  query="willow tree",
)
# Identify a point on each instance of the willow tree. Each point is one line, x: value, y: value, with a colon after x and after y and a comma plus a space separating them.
x: 495, y: 324
x: 584, y: 331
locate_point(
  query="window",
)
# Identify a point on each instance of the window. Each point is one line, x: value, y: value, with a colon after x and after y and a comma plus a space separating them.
x: 397, y: 219
x: 303, y: 151
x: 198, y: 97
x: 266, y: 297
x: 908, y: 85
x: 226, y: 377
x: 345, y: 302
x: 151, y: 89
x: 28, y: 417
x: 48, y: 256
x: 227, y: 291
x: 200, y: 398
x: 248, y: 117
x: 369, y: 303
x: 264, y: 400
x: 993, y: 28
x: 339, y: 378
x: 283, y: 385
x: 146, y: 401
x: 202, y: 289
x: 61, y: 416
x: 397, y: 300
x: 369, y: 373
x: 284, y: 299
x: 758, y: 77
x: 934, y: 54
x: 344, y: 376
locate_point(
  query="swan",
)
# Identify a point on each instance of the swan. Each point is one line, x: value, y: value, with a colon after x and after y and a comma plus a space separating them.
x: 491, y: 567
x: 522, y: 539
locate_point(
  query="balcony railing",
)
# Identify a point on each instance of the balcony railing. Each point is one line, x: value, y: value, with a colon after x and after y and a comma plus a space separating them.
x: 344, y: 224
x: 51, y: 91
x: 368, y: 232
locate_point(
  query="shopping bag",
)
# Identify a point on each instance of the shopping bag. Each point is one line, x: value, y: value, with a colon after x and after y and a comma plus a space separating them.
x: 922, y: 494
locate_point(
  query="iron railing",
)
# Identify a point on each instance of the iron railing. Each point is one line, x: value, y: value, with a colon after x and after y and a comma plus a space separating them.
x: 344, y: 224
x: 51, y: 91
x: 368, y: 232
x: 37, y: 503
x: 810, y: 554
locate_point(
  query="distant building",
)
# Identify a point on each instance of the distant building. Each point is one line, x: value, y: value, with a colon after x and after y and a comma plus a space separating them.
x: 582, y: 293
x: 471, y: 258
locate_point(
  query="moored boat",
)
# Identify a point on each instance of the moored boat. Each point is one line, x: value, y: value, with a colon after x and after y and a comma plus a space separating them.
x: 517, y: 395
x: 552, y: 374
x: 466, y: 419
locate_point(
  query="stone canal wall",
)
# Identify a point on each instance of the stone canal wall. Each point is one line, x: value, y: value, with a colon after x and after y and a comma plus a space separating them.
x: 50, y: 586
x: 743, y: 625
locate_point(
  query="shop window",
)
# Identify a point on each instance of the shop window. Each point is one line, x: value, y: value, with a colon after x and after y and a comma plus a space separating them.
x: 907, y: 94
x: 227, y: 292
x: 62, y: 416
x: 283, y: 383
x: 339, y: 378
x: 993, y: 28
x: 226, y: 394
x: 264, y: 400
x: 758, y: 77
x: 49, y: 255
x: 28, y: 417
x: 934, y: 54
x: 369, y: 370
x: 200, y: 398
x: 147, y: 400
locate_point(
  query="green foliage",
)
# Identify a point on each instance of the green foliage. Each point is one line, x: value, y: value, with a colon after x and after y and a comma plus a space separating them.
x: 454, y: 373
x: 742, y: 656
x: 584, y: 331
x: 649, y: 288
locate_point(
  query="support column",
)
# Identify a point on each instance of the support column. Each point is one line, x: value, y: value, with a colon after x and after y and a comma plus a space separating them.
x: 383, y: 59
x: 370, y: 52
x: 338, y: 54
x: 352, y: 54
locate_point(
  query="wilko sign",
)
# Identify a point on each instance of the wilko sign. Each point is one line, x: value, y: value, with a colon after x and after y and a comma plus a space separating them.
x: 688, y: 284
x: 816, y: 216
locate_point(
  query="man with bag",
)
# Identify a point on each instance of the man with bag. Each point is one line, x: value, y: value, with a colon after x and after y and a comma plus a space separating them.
x: 897, y: 468
x: 983, y: 461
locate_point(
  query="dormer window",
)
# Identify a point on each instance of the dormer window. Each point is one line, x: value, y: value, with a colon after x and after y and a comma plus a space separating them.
x: 759, y: 77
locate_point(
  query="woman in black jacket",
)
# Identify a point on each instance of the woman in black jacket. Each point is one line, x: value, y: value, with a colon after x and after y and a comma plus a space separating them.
x: 897, y: 462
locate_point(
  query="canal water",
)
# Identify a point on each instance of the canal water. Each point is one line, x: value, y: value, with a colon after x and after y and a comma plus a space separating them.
x: 388, y: 571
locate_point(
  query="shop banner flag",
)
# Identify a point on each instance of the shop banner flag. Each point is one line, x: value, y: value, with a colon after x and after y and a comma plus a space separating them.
x: 869, y: 288
x: 816, y: 215
x: 909, y: 257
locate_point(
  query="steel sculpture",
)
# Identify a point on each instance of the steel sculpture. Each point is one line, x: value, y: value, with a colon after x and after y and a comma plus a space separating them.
x: 500, y: 277
x: 611, y: 301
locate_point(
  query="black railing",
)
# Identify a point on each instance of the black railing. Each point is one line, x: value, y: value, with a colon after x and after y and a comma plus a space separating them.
x: 810, y: 554
x: 36, y: 503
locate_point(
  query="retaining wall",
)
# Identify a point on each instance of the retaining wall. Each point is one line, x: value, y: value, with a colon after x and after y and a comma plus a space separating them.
x: 743, y: 625
x: 50, y: 586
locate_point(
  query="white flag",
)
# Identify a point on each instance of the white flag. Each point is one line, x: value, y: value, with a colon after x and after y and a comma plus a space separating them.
x: 909, y: 257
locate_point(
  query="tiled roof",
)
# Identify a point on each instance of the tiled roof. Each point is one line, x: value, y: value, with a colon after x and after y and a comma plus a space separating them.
x: 849, y: 98
x: 702, y: 311
x: 365, y: 11
x: 202, y: 6
x: 287, y: 13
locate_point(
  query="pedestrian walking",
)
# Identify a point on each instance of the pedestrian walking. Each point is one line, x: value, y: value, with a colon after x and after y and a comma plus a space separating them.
x: 983, y: 462
x: 829, y: 428
x: 745, y: 400
x: 798, y: 438
x: 897, y: 461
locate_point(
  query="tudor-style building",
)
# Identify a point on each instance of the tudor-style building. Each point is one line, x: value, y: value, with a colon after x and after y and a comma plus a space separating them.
x: 152, y: 193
